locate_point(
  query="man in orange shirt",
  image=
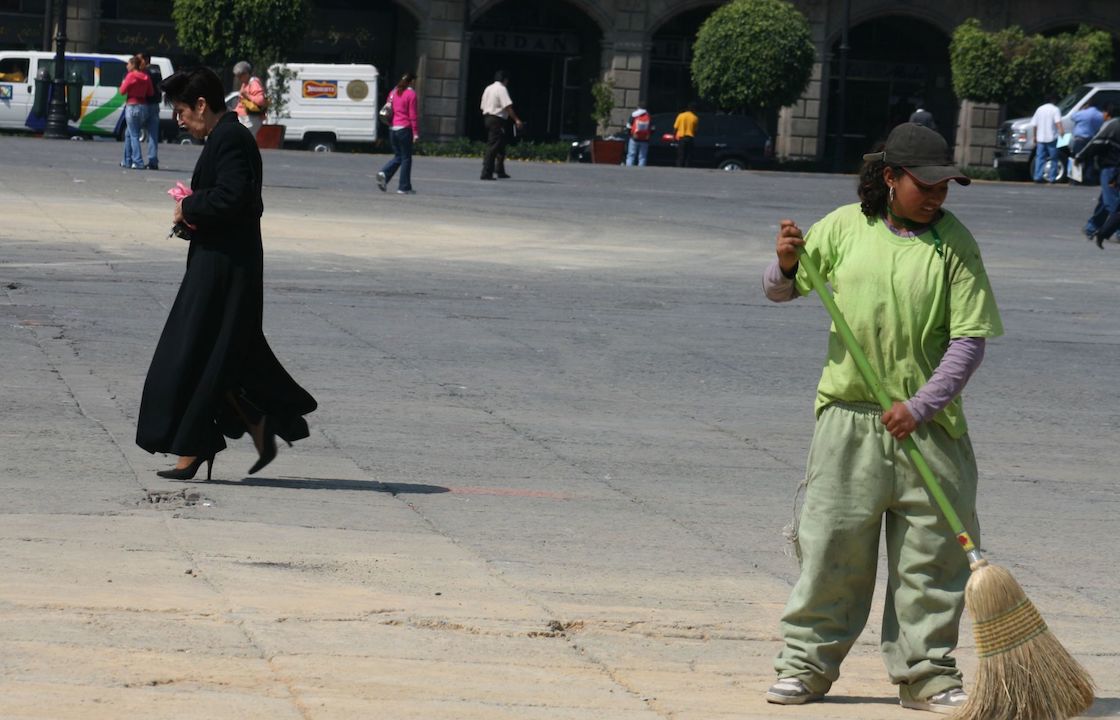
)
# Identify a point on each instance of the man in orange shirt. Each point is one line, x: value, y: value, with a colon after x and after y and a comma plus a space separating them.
x: 684, y: 129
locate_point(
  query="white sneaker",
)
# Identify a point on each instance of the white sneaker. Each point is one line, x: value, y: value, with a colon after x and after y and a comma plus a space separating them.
x: 382, y: 181
x: 791, y: 691
x: 946, y: 702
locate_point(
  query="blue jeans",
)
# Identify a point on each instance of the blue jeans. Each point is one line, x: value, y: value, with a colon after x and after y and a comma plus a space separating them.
x: 401, y: 142
x: 1043, y: 152
x: 134, y: 118
x: 637, y: 149
x: 1107, y: 204
x: 153, y: 134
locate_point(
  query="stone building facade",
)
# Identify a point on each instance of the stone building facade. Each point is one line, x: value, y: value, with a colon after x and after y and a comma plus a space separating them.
x: 556, y: 49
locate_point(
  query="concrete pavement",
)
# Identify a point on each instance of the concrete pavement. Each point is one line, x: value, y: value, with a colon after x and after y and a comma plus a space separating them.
x: 559, y: 435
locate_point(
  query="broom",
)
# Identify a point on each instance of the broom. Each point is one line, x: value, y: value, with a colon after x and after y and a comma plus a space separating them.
x: 1024, y: 673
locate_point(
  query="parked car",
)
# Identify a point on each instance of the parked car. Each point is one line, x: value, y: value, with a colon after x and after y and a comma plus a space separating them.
x: 727, y: 142
x: 1014, y: 154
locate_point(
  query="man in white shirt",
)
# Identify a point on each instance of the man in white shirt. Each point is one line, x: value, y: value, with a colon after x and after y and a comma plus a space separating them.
x: 1047, y: 122
x: 496, y: 107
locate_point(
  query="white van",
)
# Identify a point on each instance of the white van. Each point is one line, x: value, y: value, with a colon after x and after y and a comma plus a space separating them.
x: 329, y: 104
x: 102, y: 103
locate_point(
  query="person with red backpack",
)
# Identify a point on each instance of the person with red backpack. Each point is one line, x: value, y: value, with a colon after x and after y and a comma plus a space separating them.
x: 641, y: 129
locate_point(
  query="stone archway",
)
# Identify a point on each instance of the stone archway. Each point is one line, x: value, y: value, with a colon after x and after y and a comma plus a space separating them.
x: 551, y: 50
x: 896, y: 63
x: 670, y: 63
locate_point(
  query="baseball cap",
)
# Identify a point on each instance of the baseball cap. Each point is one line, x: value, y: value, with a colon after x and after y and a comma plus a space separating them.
x: 922, y: 153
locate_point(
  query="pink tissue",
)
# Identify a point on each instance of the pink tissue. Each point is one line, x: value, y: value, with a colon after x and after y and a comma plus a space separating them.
x: 179, y: 192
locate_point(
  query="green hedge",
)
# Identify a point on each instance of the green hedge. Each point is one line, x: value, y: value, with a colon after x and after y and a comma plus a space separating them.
x: 526, y: 150
x: 980, y: 172
x: 1009, y: 66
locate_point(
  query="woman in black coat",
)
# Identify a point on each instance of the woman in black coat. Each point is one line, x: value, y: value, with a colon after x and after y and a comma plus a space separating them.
x: 213, y: 373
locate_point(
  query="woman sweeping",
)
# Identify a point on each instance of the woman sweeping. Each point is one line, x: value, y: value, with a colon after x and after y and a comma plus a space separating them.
x: 213, y: 373
x: 908, y: 277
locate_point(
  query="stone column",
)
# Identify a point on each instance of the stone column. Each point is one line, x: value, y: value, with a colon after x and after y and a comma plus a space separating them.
x: 626, y: 51
x: 801, y: 125
x: 976, y: 133
x: 626, y: 56
x: 82, y: 18
x: 441, y: 70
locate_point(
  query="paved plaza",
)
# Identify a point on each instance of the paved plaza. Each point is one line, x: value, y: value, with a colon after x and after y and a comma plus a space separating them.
x: 559, y: 435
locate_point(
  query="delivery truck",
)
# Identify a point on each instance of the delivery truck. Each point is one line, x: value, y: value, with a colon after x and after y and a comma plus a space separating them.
x: 326, y: 105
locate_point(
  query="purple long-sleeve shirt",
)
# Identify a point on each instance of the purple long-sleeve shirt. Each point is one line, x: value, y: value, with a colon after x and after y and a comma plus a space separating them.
x: 957, y: 365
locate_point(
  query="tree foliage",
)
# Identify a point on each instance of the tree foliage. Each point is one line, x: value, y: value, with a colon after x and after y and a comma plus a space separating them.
x: 1009, y: 66
x: 227, y: 31
x: 753, y: 54
x: 602, y: 103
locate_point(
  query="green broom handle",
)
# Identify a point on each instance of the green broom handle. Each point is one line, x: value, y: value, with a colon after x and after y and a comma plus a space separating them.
x: 885, y: 402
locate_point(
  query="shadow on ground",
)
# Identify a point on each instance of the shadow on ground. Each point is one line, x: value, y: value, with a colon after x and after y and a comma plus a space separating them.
x: 333, y: 484
x: 1104, y: 707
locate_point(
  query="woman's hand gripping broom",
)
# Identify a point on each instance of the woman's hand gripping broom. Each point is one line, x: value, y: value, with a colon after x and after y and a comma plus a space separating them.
x: 1023, y: 673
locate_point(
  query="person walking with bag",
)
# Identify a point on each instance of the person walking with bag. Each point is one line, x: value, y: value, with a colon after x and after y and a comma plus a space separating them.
x: 137, y: 87
x: 908, y: 277
x: 637, y: 149
x: 252, y: 102
x: 213, y: 374
x: 404, y: 130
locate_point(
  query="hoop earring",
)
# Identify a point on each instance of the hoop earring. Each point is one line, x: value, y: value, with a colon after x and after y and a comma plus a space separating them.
x: 890, y: 196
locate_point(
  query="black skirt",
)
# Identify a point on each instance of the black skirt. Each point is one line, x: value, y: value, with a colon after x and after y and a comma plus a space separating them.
x: 212, y: 353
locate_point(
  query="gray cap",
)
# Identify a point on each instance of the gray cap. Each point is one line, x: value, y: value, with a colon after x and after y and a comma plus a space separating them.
x: 242, y: 68
x: 921, y: 152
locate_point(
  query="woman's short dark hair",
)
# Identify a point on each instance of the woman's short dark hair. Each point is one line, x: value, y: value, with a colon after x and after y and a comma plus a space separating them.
x: 404, y: 81
x: 874, y: 195
x: 186, y: 86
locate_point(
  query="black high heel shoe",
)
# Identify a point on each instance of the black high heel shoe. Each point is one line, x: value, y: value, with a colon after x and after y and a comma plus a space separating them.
x: 189, y: 471
x: 267, y: 450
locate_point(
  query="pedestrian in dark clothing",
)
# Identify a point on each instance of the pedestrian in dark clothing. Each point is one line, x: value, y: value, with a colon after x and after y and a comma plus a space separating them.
x: 1104, y: 149
x: 924, y: 118
x: 496, y: 107
x: 153, y: 109
x: 213, y: 373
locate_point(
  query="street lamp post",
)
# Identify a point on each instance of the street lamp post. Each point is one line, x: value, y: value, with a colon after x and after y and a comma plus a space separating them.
x: 58, y: 120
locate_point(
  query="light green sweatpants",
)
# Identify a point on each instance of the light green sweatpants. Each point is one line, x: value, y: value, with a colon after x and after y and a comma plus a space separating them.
x: 857, y: 475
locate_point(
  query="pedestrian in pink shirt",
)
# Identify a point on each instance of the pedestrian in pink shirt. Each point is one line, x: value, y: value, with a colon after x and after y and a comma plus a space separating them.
x: 137, y: 86
x: 404, y: 129
x: 253, y: 102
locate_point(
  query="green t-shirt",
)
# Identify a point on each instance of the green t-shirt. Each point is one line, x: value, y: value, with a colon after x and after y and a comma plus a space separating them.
x: 903, y: 301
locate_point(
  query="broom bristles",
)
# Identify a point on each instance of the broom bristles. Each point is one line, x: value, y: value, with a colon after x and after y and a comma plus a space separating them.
x: 1024, y: 673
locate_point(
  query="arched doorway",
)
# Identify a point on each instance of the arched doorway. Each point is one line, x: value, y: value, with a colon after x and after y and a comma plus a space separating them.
x: 670, y: 60
x: 551, y: 51
x: 895, y: 65
x: 380, y: 32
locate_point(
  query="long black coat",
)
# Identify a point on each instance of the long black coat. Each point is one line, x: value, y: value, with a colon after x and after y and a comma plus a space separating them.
x: 212, y: 348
